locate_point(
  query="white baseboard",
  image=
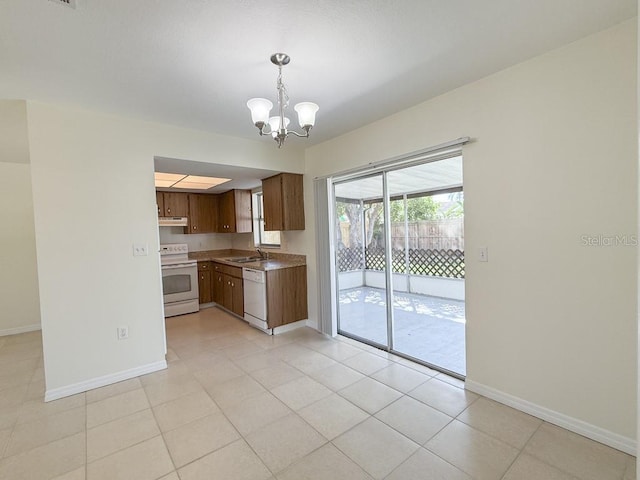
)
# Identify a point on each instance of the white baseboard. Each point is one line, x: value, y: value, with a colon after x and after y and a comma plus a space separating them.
x: 97, y: 382
x: 15, y: 330
x: 289, y: 326
x: 614, y: 440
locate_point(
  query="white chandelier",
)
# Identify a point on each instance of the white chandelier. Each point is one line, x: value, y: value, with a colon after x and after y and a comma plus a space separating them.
x: 261, y: 107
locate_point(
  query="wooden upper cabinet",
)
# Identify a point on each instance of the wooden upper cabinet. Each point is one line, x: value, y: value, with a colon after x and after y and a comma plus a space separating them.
x: 175, y: 204
x: 203, y: 213
x: 226, y: 213
x: 234, y: 212
x: 229, y: 212
x: 272, y: 203
x: 243, y: 213
x: 283, y: 201
x: 160, y: 203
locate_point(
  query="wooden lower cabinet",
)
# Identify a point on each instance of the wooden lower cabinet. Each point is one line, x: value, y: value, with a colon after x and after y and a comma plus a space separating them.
x: 205, y: 287
x: 286, y: 292
x: 233, y: 295
x: 286, y: 295
x: 228, y: 291
x: 218, y: 288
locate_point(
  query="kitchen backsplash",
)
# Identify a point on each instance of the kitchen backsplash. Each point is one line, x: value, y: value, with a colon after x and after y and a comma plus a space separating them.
x: 198, y: 242
x: 244, y: 241
x: 216, y: 241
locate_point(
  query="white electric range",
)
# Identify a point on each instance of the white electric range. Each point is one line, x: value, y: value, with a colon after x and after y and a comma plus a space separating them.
x: 179, y: 280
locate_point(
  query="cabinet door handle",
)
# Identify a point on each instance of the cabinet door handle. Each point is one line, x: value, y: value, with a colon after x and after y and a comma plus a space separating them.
x: 233, y: 284
x: 202, y: 277
x: 228, y: 283
x: 195, y: 228
x: 169, y: 211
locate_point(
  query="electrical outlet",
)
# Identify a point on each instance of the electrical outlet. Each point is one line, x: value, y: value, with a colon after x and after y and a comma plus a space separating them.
x: 483, y: 254
x: 140, y: 250
x: 123, y: 333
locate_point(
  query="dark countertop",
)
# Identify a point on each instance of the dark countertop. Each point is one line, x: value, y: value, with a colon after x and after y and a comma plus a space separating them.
x: 276, y: 261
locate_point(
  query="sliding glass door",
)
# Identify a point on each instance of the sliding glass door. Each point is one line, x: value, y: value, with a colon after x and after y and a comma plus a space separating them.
x: 399, y: 238
x: 360, y: 257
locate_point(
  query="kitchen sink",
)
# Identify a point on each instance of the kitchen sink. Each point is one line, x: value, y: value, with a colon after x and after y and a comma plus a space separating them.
x: 244, y: 259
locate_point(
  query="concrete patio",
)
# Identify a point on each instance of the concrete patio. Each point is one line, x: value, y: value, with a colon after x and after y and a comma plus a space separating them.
x: 428, y: 328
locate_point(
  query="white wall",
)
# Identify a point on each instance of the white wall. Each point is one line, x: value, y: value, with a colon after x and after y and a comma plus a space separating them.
x: 638, y: 258
x: 551, y: 323
x: 18, y: 275
x: 94, y: 197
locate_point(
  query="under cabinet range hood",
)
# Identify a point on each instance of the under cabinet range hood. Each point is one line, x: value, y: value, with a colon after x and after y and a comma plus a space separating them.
x: 173, y: 221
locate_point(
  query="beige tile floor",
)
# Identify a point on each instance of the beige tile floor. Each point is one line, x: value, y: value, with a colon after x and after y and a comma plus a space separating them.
x: 236, y: 404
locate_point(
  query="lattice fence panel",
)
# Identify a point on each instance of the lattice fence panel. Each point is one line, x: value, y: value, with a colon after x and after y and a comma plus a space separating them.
x: 350, y: 259
x: 375, y: 260
x: 437, y: 263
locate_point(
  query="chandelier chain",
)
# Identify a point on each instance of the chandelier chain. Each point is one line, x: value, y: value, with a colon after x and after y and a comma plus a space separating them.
x: 281, y: 88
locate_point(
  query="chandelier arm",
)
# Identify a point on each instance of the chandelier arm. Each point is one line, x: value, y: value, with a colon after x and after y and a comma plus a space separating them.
x: 303, y: 135
x: 263, y: 130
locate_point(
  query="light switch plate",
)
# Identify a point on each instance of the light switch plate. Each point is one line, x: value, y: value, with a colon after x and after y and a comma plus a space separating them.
x: 483, y: 254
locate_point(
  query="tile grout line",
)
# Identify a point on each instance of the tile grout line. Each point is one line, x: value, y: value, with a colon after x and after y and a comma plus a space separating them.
x: 544, y: 461
x: 224, y: 446
x: 14, y: 424
x: 164, y: 442
x: 521, y: 451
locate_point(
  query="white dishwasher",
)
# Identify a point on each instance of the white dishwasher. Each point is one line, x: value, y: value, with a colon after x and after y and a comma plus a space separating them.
x: 255, y: 298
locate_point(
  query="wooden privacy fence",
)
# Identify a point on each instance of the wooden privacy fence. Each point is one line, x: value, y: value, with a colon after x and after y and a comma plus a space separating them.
x: 443, y: 234
x: 438, y: 263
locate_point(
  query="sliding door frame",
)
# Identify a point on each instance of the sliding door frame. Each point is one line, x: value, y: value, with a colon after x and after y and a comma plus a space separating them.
x: 382, y: 169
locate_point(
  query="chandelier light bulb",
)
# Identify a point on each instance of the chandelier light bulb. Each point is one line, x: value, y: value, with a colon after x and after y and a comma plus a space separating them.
x: 274, y: 124
x: 306, y: 113
x: 260, y: 109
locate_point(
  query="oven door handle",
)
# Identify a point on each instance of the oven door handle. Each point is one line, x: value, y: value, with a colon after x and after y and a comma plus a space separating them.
x: 182, y: 265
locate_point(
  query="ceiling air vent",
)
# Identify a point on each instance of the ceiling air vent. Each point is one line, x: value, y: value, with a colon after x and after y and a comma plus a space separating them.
x: 68, y: 3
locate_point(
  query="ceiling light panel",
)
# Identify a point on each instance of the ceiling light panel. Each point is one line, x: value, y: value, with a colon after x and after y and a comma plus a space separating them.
x: 167, y: 179
x: 182, y: 181
x: 211, y: 181
x: 164, y: 183
x: 192, y: 185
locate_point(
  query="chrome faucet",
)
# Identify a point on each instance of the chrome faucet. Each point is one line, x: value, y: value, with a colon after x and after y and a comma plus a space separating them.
x: 263, y: 256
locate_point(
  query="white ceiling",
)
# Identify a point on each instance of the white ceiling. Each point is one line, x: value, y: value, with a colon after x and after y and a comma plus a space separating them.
x: 195, y: 63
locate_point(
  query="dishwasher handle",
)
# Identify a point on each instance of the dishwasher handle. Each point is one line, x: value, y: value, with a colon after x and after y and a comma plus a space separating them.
x: 257, y: 276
